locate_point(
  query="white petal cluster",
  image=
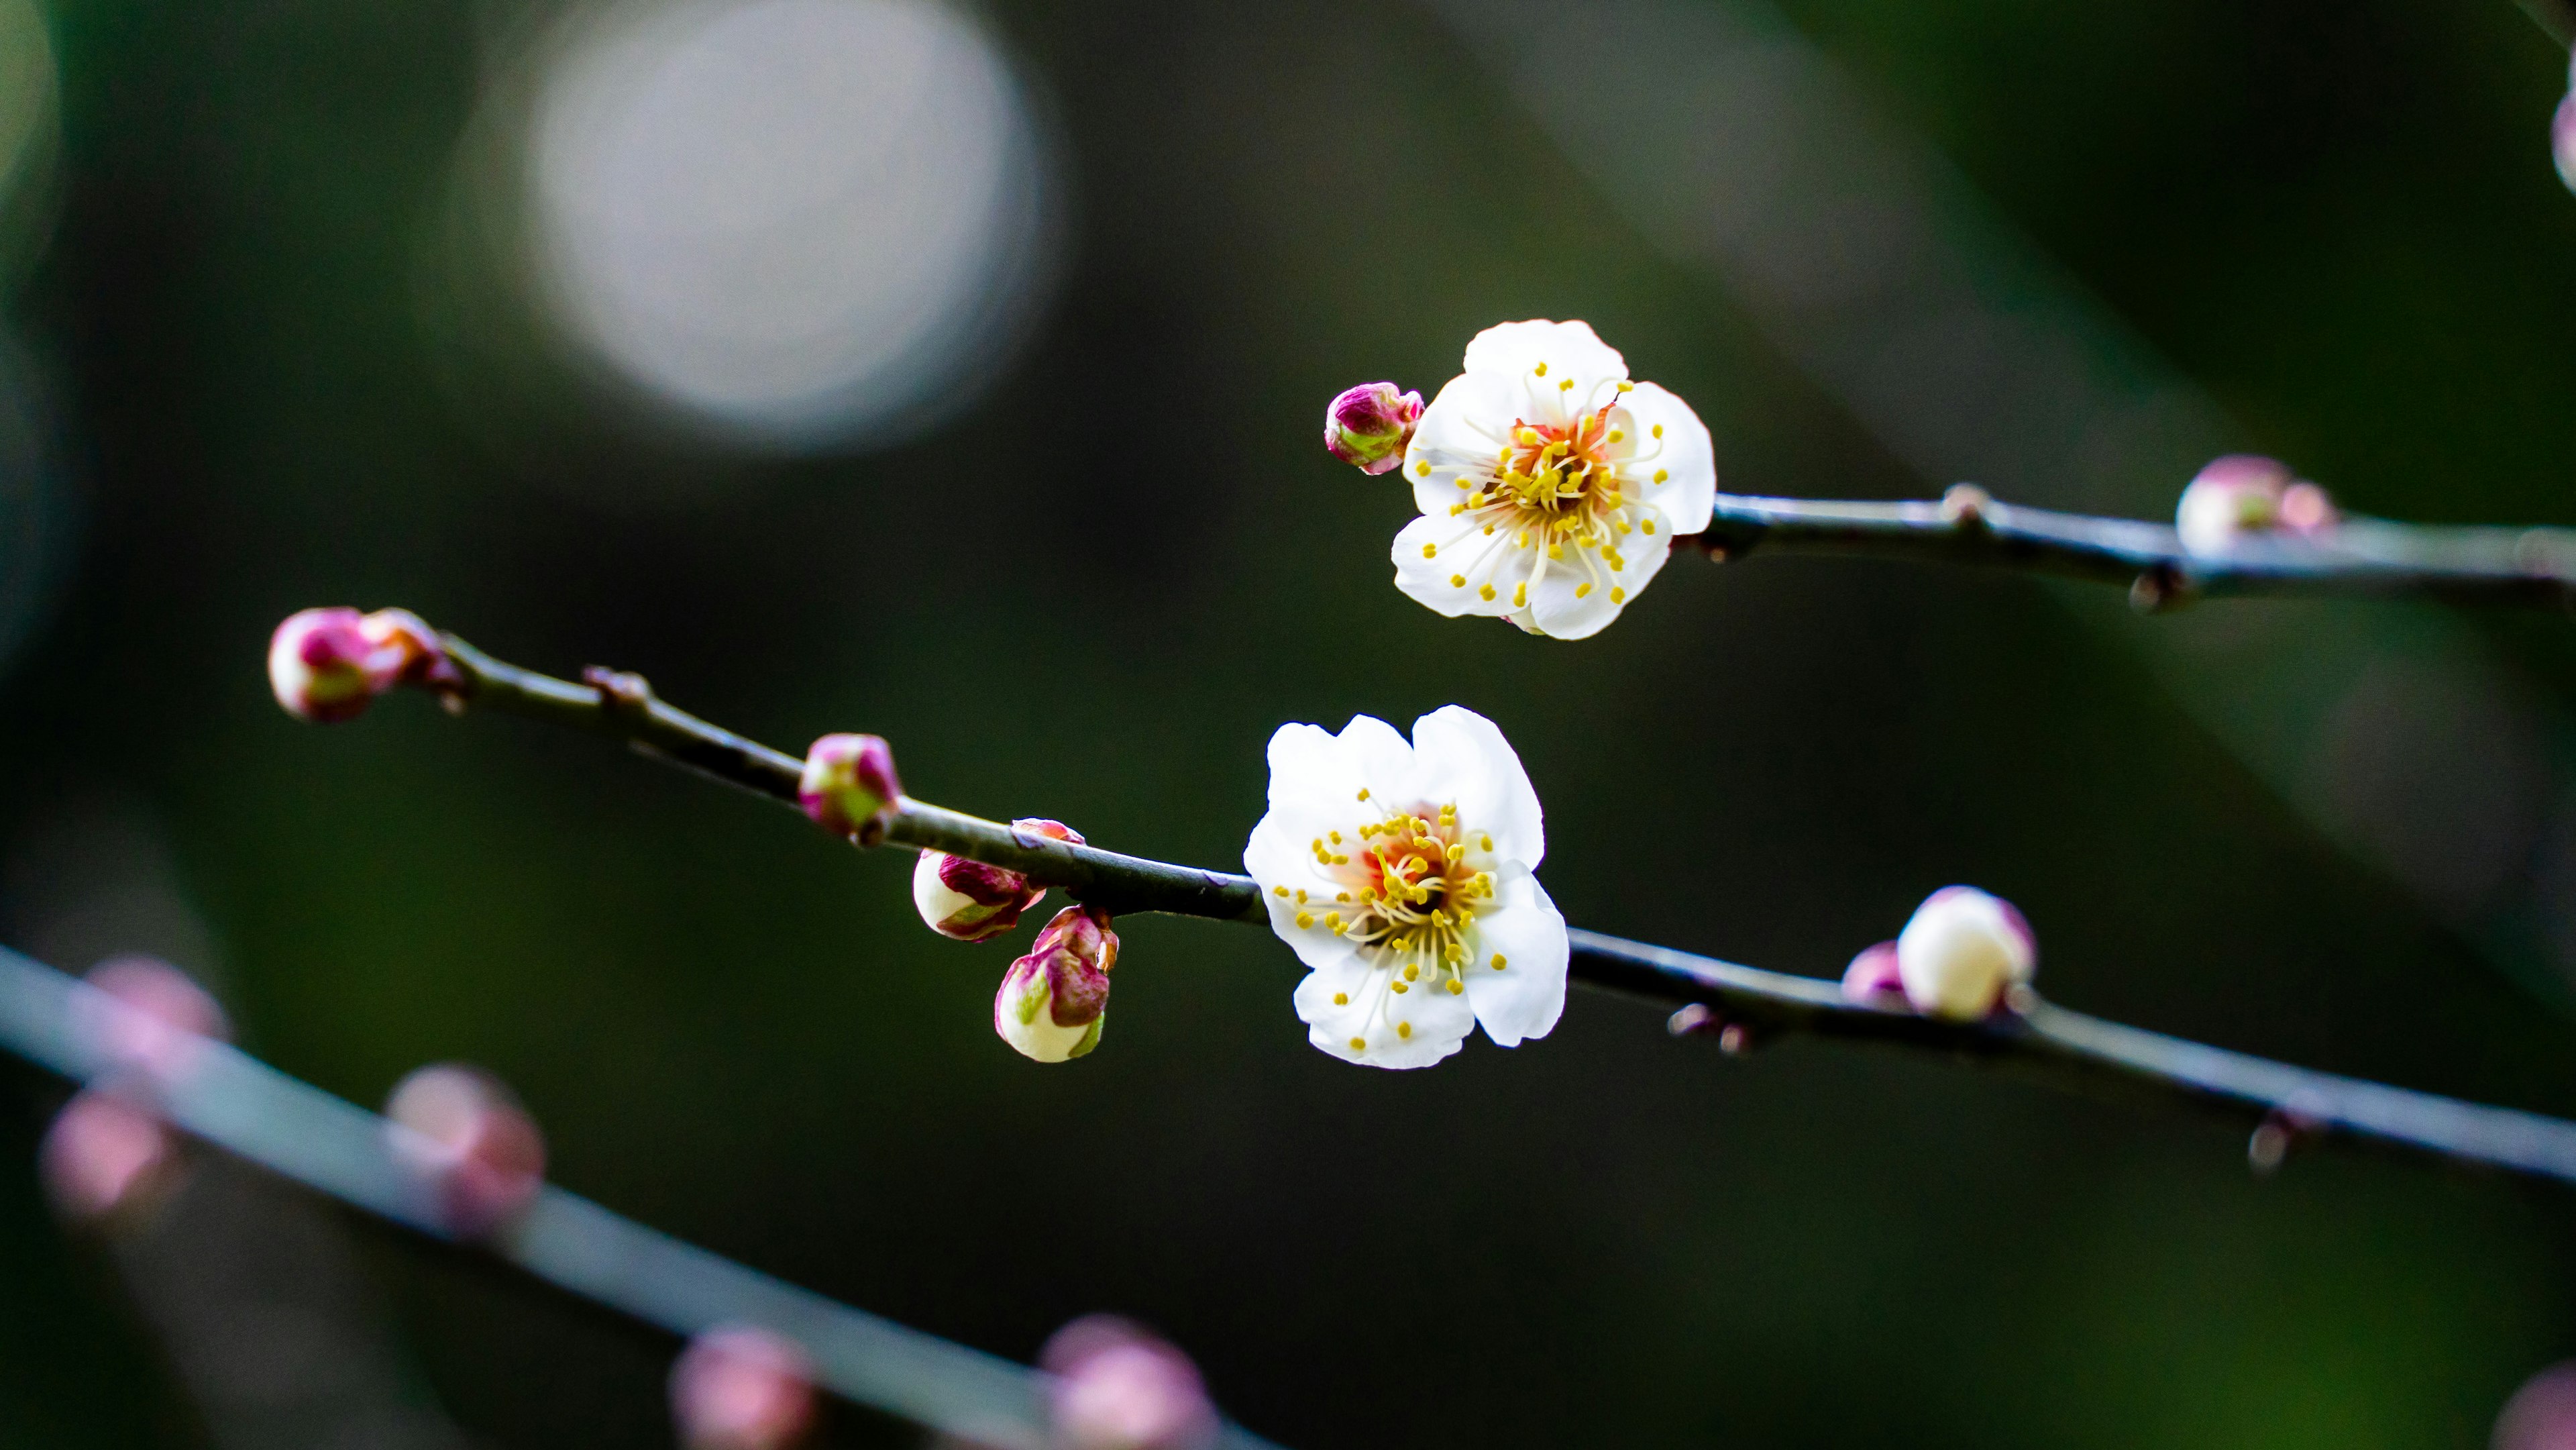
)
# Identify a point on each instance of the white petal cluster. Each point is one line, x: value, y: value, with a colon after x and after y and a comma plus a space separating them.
x: 1551, y: 487
x: 1400, y: 874
x: 1961, y: 951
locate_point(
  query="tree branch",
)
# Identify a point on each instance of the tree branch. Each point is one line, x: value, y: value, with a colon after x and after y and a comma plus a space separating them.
x: 1739, y: 1004
x: 2478, y: 565
x: 243, y: 1105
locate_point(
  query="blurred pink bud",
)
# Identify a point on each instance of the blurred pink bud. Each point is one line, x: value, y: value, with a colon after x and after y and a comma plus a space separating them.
x: 1053, y: 1000
x: 849, y: 786
x: 328, y: 665
x: 170, y: 1016
x: 1368, y: 426
x: 739, y: 1387
x: 1961, y: 951
x: 2562, y: 140
x: 2542, y: 1414
x: 2245, y: 493
x: 1873, y: 973
x: 971, y: 901
x: 103, y: 1155
x: 474, y: 1147
x: 1118, y: 1387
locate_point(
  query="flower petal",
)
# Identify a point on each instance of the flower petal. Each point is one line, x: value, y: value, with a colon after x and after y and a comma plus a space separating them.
x: 1413, y: 1028
x: 1461, y: 434
x: 1461, y: 758
x: 1562, y: 608
x: 1277, y: 856
x: 1522, y: 926
x: 1571, y: 352
x: 1465, y: 561
x: 1313, y: 769
x: 1684, y: 453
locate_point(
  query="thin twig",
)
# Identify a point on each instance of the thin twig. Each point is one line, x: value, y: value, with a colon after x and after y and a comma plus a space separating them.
x: 2481, y: 565
x: 252, y: 1110
x: 1737, y: 1004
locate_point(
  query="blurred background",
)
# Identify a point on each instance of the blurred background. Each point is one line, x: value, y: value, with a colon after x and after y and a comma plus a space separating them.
x: 954, y: 374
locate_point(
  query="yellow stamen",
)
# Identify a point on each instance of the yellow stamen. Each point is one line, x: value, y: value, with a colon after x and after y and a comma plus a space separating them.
x: 1618, y: 595
x: 1404, y: 1029
x: 1422, y: 469
x: 1341, y: 999
x: 1359, y: 1045
x: 1498, y: 961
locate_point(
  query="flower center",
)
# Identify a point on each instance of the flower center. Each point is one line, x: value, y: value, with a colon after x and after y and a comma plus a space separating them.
x: 1559, y: 472
x: 1408, y: 892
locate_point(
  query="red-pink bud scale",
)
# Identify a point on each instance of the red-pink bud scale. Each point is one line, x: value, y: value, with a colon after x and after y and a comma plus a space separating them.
x: 849, y: 786
x: 1369, y: 426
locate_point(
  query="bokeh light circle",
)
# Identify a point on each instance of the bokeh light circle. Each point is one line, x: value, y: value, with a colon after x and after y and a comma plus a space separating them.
x: 807, y: 222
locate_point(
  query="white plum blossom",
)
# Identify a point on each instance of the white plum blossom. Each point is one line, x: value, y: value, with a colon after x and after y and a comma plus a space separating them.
x: 1551, y: 486
x: 1400, y: 874
x: 1961, y: 951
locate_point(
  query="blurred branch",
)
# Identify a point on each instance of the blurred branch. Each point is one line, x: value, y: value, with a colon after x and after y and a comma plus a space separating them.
x: 1739, y: 1004
x: 2478, y: 565
x: 238, y: 1103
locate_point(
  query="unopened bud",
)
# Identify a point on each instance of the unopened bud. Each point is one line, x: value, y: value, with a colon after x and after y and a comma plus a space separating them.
x: 970, y: 901
x: 328, y: 665
x: 2562, y: 140
x: 2542, y: 1414
x: 1873, y: 974
x: 158, y: 1020
x: 476, y: 1152
x: 1368, y: 426
x: 849, y: 786
x: 1960, y: 952
x: 105, y: 1156
x: 1118, y: 1387
x: 2245, y: 493
x: 1054, y: 999
x: 740, y: 1387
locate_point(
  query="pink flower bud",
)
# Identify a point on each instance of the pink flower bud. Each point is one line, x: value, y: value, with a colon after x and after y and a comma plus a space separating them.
x: 328, y: 665
x: 1117, y: 1387
x: 849, y: 786
x: 1873, y: 973
x: 475, y: 1150
x: 1054, y: 999
x: 1368, y: 426
x: 1961, y: 951
x: 104, y: 1155
x: 740, y: 1387
x: 2562, y: 140
x: 2542, y: 1414
x: 971, y: 901
x: 2245, y: 493
x: 167, y: 1021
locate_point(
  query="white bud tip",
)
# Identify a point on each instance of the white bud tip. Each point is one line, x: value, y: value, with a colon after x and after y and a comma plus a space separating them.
x: 1961, y: 951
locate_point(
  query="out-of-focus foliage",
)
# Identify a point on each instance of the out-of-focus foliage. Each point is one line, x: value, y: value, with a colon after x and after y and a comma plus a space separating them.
x: 1093, y: 594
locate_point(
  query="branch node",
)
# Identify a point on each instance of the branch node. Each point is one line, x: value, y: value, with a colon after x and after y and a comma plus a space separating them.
x: 1964, y: 506
x: 619, y: 689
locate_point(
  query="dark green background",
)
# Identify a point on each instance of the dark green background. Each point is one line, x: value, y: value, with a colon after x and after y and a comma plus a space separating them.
x: 1096, y: 593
